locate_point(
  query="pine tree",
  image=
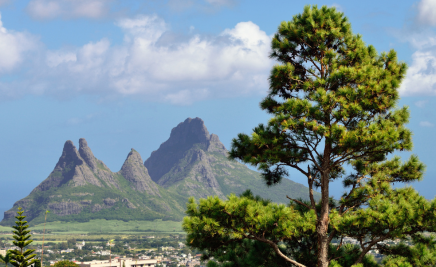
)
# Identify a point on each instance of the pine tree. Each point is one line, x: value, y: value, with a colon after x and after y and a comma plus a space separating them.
x: 333, y: 103
x: 6, y: 258
x: 22, y: 257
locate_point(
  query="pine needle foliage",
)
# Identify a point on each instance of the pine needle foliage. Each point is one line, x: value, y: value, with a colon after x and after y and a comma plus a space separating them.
x: 22, y: 257
x: 333, y: 101
x: 6, y: 258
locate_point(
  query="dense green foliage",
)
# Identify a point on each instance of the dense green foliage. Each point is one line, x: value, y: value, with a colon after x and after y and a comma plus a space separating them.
x: 21, y: 257
x: 65, y: 263
x: 333, y: 102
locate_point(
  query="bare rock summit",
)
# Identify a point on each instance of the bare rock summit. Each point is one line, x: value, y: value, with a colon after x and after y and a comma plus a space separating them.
x: 137, y: 174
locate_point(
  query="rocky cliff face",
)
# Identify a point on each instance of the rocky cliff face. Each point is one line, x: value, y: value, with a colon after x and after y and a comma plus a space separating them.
x: 191, y: 162
x: 82, y: 187
x: 97, y: 166
x: 183, y: 137
x: 71, y: 168
x: 137, y: 174
x: 196, y: 165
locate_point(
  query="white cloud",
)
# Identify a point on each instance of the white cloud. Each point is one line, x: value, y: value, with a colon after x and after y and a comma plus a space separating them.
x: 155, y: 64
x: 427, y: 12
x: 13, y: 46
x: 49, y: 9
x: 426, y: 124
x: 421, y: 103
x: 421, y: 75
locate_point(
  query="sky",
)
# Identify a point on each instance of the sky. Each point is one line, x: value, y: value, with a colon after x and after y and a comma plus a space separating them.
x: 122, y: 74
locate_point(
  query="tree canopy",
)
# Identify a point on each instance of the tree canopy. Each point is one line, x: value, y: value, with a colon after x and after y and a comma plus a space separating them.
x: 333, y: 101
x: 65, y: 263
x: 21, y: 257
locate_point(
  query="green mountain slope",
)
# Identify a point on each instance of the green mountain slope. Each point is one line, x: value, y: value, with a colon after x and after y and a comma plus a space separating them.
x: 191, y: 162
x: 200, y: 168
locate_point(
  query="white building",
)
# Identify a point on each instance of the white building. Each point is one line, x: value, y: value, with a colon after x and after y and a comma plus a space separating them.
x: 103, y: 252
x: 120, y: 262
x: 3, y: 252
x: 80, y: 244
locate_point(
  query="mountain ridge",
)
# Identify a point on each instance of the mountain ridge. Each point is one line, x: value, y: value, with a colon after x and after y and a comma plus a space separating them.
x: 191, y: 162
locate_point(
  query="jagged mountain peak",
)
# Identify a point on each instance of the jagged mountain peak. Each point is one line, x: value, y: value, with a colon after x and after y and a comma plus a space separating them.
x: 192, y: 133
x: 191, y: 162
x: 137, y: 174
x: 70, y: 169
x: 86, y: 154
x: 189, y: 132
x: 132, y: 158
x: 69, y: 155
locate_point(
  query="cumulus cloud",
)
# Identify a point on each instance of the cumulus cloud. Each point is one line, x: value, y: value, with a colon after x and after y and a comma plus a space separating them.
x: 427, y: 12
x: 426, y: 124
x: 156, y: 64
x: 50, y: 9
x: 421, y: 75
x: 13, y: 46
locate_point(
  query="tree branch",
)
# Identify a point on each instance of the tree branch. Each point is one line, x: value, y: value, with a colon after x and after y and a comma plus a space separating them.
x: 277, y: 250
x: 368, y: 248
x: 312, y: 200
x: 299, y: 202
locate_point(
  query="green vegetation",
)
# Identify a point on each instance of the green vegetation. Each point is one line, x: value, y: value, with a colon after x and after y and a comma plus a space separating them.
x: 5, y: 229
x: 110, y: 226
x: 21, y: 257
x: 333, y: 103
x: 6, y: 258
x: 65, y: 263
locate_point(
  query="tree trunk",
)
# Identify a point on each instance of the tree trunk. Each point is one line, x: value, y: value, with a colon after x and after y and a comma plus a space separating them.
x: 322, y: 225
x: 323, y: 219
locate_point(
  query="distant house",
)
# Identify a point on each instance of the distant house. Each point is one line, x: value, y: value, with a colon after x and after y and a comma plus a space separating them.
x: 127, y: 262
x: 103, y: 252
x: 67, y: 250
x: 80, y: 244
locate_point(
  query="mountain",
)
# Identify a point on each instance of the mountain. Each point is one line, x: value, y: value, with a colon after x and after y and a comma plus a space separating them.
x: 81, y: 187
x: 191, y: 162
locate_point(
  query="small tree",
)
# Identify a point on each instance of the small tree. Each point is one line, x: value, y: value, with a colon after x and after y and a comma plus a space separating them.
x: 6, y: 258
x: 65, y: 263
x: 22, y: 257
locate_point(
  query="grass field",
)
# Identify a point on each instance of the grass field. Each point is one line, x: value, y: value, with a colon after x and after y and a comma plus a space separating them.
x: 110, y: 226
x: 5, y: 229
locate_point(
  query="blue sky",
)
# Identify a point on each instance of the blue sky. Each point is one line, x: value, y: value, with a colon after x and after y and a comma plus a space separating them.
x: 122, y: 74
